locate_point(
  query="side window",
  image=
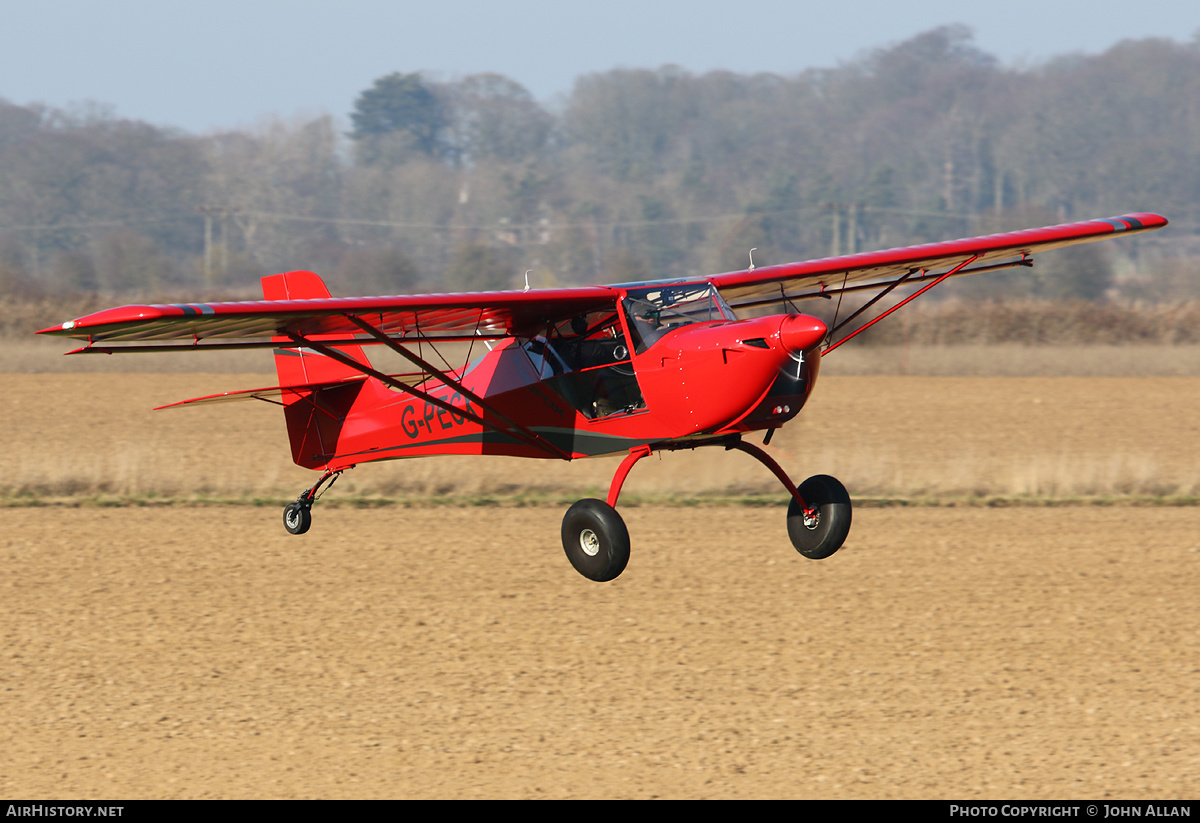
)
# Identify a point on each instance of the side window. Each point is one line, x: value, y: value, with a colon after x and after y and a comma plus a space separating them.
x: 546, y: 361
x: 597, y: 378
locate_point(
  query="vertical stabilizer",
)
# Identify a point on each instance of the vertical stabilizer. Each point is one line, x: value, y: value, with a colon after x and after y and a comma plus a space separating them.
x: 298, y: 366
x: 314, y: 416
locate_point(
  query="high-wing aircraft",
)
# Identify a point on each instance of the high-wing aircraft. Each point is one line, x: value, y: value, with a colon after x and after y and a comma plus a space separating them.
x: 632, y: 368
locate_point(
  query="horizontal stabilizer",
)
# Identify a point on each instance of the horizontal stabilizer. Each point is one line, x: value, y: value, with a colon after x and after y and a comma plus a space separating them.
x: 269, y: 393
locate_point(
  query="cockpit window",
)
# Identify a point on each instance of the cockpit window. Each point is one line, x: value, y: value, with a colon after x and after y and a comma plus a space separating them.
x: 654, y: 311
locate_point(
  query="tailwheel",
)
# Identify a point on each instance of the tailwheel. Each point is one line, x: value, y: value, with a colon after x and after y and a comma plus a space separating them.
x: 820, y: 530
x: 595, y: 540
x: 297, y: 517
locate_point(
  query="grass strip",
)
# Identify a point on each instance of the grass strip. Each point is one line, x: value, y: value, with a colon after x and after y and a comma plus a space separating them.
x: 557, y: 500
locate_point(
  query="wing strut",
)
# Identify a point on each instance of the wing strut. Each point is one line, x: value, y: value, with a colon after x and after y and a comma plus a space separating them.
x: 903, y: 302
x: 517, y: 432
x: 869, y: 303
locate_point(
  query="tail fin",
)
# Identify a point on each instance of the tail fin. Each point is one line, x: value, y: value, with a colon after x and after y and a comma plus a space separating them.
x: 298, y: 366
x: 314, y: 417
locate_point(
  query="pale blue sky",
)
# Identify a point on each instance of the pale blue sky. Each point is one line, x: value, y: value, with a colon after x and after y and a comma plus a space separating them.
x: 229, y: 63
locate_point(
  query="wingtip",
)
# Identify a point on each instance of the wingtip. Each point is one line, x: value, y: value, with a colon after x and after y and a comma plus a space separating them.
x: 83, y: 327
x: 63, y: 328
x: 1142, y: 220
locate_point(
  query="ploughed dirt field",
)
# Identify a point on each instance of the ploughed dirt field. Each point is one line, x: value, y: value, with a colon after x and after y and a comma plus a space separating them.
x: 1044, y: 646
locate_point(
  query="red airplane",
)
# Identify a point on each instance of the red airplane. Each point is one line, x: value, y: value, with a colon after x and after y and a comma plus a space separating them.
x: 568, y: 373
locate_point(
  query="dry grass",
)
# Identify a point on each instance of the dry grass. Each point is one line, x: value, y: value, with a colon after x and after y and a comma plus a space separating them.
x: 1014, y: 360
x: 87, y: 437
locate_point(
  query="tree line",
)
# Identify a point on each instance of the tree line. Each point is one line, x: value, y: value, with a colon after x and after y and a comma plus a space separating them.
x: 470, y: 183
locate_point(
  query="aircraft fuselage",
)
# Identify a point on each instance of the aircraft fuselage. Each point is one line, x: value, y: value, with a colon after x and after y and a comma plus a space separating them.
x: 699, y: 380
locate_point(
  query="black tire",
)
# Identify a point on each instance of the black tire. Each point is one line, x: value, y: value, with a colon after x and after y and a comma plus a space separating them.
x: 595, y: 540
x: 297, y: 518
x: 819, y: 538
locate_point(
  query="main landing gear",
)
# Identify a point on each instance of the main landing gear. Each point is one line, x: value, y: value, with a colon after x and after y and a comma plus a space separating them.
x: 820, y: 529
x: 597, y: 542
x: 297, y: 515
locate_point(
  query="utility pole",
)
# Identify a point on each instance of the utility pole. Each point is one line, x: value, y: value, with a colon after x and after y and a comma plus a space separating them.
x: 222, y: 212
x: 852, y: 232
x: 207, y: 245
x: 852, y: 210
x: 835, y: 246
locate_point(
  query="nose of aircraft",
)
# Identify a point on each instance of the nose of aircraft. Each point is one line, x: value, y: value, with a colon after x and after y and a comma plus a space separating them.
x: 799, y: 332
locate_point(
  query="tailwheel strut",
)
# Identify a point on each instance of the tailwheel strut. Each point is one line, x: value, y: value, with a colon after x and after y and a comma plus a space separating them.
x: 297, y: 515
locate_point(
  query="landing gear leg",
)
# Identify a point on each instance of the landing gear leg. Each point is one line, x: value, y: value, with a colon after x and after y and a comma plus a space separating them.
x: 593, y: 534
x: 597, y: 542
x: 820, y: 512
x: 297, y: 515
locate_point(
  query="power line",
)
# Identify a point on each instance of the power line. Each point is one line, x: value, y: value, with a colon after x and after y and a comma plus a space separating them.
x: 96, y: 224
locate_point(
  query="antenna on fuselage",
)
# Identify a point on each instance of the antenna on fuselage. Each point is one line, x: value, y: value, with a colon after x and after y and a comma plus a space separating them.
x: 752, y: 251
x: 527, y: 279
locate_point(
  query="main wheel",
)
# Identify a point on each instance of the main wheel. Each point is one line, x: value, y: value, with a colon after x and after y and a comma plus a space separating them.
x: 595, y: 540
x: 819, y: 535
x: 297, y: 518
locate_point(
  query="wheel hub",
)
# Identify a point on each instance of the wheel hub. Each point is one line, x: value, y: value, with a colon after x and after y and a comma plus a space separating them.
x: 589, y: 542
x: 812, y: 519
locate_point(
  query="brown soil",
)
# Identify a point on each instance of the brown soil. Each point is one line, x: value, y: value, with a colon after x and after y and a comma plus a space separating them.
x: 946, y: 652
x: 453, y: 652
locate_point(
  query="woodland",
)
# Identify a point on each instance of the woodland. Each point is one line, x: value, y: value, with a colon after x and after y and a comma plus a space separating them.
x: 441, y: 184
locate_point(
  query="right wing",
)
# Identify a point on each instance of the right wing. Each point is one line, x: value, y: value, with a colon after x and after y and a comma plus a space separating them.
x: 878, y: 269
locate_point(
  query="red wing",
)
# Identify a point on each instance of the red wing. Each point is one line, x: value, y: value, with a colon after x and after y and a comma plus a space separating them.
x: 797, y: 281
x: 504, y: 313
x: 487, y: 313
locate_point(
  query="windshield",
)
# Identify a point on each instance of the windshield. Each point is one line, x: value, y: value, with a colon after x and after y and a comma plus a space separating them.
x: 654, y: 311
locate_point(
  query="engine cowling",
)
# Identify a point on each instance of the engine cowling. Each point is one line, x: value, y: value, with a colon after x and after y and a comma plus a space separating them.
x: 707, y: 377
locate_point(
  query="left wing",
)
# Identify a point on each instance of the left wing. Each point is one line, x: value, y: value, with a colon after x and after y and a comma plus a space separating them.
x: 402, y: 317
